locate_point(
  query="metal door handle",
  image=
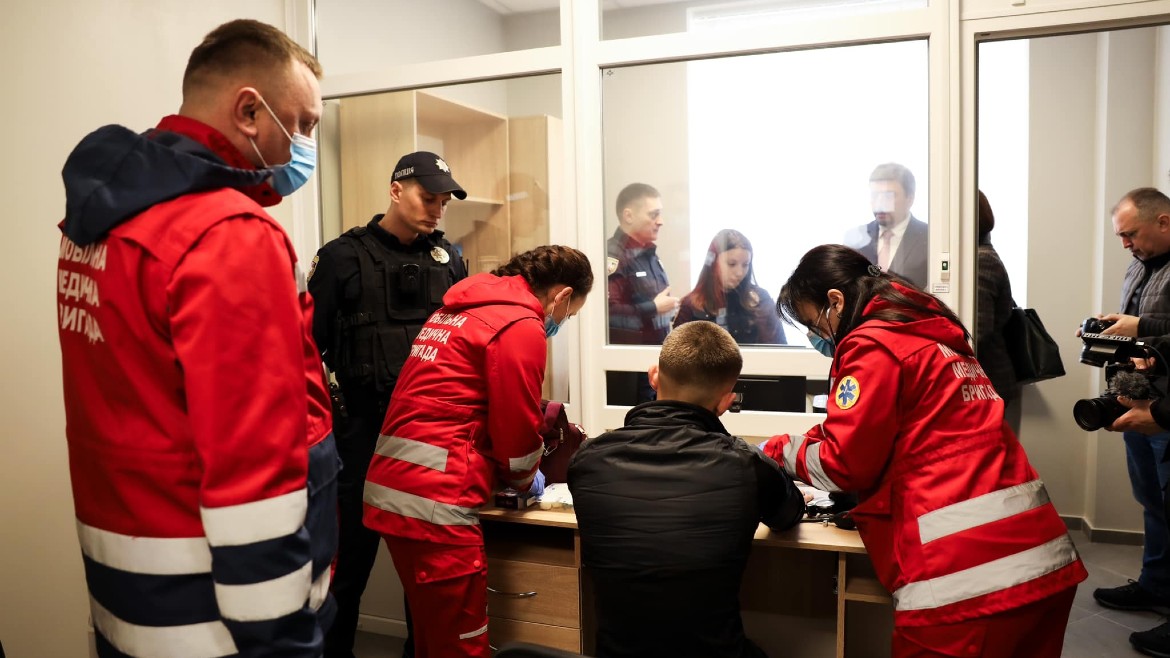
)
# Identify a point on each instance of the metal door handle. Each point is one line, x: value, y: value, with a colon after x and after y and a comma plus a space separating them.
x: 513, y: 595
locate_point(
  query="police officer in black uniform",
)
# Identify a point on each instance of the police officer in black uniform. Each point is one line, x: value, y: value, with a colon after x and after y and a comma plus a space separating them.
x: 373, y: 288
x: 641, y: 307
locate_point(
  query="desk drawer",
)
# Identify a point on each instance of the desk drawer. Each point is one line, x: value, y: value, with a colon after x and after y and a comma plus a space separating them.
x: 501, y: 631
x: 541, y: 593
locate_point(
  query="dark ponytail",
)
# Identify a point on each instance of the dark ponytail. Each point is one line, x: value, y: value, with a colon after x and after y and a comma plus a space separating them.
x: 550, y: 265
x: 832, y: 266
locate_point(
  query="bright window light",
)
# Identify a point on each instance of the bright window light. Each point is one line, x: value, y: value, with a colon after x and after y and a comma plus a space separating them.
x: 1003, y: 153
x: 782, y: 146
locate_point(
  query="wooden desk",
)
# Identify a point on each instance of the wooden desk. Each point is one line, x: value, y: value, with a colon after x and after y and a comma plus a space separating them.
x: 537, y: 593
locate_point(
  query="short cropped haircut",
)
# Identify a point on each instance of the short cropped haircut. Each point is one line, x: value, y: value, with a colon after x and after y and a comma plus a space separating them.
x: 895, y: 172
x: 700, y: 355
x: 242, y: 45
x: 634, y: 192
x: 1149, y: 203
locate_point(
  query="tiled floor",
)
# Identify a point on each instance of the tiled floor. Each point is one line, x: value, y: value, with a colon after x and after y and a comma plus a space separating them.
x: 1093, y: 631
x: 370, y: 645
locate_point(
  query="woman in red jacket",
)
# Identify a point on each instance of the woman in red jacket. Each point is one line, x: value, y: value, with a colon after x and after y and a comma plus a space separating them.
x: 465, y: 416
x: 957, y: 523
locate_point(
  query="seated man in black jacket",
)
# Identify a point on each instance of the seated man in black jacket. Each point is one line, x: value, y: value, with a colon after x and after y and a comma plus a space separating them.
x: 667, y: 507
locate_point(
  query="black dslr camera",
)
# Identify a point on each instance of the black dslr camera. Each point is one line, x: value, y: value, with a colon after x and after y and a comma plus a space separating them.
x: 1099, y: 349
x: 1114, y: 353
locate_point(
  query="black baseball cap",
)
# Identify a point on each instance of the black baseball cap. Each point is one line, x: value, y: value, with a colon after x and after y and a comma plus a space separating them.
x: 431, y: 171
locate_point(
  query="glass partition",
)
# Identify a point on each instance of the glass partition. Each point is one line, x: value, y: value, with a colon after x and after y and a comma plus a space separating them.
x: 621, y: 20
x: 503, y: 142
x: 723, y: 170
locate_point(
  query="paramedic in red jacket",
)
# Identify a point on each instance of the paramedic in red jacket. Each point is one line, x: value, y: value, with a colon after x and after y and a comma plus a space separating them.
x: 957, y: 523
x: 200, y: 450
x: 464, y: 420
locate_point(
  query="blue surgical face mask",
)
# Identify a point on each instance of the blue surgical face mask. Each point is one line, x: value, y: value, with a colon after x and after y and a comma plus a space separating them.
x: 820, y: 344
x: 551, y: 326
x: 289, y: 177
x: 825, y: 346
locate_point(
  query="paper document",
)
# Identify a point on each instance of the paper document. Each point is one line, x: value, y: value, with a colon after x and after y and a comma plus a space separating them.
x: 556, y: 496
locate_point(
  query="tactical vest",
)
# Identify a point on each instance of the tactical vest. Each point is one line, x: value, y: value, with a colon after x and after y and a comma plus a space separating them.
x: 399, y: 291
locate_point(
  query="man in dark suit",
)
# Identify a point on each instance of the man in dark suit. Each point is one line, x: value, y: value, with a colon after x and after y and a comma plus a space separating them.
x: 895, y: 240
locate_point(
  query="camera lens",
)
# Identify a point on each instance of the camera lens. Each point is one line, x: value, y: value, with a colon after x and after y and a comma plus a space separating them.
x: 1094, y: 413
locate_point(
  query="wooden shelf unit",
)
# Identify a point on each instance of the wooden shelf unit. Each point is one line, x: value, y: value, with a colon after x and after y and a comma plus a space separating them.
x: 510, y: 168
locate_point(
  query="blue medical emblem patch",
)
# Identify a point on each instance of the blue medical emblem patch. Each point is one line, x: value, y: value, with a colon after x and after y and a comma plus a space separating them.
x: 848, y: 391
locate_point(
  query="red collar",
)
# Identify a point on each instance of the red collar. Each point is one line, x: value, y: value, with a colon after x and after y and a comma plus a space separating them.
x: 225, y: 150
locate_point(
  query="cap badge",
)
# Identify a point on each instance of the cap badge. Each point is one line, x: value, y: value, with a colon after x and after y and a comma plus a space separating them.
x: 442, y: 165
x: 313, y: 267
x: 440, y: 254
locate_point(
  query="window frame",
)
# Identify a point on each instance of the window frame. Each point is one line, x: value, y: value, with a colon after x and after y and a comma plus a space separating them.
x: 952, y: 28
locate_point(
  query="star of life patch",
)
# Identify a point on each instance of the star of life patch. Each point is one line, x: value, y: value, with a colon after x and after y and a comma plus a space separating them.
x: 611, y: 265
x: 847, y: 393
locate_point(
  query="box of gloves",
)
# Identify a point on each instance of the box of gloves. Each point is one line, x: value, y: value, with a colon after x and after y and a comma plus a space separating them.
x: 512, y: 499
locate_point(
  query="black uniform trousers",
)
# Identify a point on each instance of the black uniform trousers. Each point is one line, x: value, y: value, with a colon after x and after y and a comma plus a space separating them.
x: 357, y: 434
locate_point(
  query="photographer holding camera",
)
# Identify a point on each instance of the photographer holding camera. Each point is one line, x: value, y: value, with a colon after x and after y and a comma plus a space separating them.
x: 1146, y: 416
x: 1142, y: 220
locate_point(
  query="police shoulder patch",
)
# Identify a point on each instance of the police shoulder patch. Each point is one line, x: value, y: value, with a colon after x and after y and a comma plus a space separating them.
x: 847, y: 393
x: 312, y: 268
x: 611, y: 265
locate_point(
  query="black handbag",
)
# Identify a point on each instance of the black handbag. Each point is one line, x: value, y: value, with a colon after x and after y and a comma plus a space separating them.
x: 1034, y: 354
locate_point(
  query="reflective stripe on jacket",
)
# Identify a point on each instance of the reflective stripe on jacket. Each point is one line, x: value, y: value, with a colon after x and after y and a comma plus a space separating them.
x: 465, y: 411
x: 956, y: 521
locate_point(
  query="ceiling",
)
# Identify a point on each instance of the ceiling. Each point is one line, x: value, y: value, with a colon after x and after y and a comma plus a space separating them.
x: 507, y: 7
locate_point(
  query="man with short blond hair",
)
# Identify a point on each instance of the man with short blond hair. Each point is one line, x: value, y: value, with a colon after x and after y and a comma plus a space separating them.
x: 667, y: 507
x: 202, y: 461
x: 699, y: 364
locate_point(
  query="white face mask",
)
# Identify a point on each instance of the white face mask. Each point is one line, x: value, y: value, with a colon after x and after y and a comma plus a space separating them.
x: 290, y: 176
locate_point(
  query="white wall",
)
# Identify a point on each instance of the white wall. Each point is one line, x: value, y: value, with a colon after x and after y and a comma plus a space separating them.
x: 1061, y: 195
x: 1125, y: 128
x: 1092, y: 117
x: 355, y: 36
x: 74, y: 66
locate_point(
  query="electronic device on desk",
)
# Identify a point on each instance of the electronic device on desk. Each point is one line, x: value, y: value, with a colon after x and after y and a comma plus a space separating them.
x: 769, y: 393
x: 512, y: 499
x: 834, y: 508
